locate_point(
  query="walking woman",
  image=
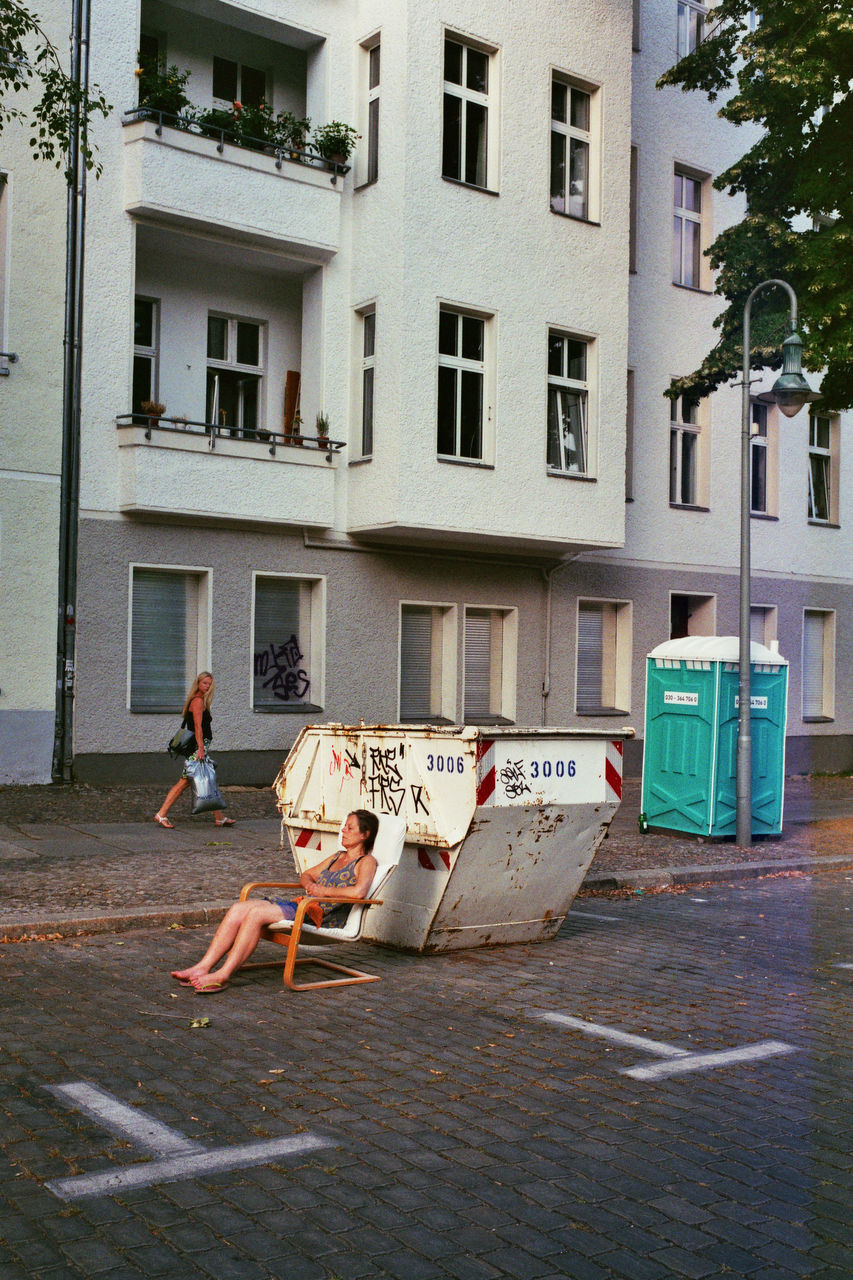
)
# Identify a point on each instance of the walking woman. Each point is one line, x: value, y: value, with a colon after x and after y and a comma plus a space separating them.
x: 198, y: 720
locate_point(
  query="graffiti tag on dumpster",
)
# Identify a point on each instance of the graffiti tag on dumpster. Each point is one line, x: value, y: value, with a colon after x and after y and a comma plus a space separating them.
x: 277, y: 667
x: 514, y: 780
x: 383, y: 780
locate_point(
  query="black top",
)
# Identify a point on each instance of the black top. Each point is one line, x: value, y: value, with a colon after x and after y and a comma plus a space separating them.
x: 206, y: 723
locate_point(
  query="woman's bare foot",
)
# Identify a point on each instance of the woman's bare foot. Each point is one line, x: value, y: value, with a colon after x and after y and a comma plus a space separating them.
x: 186, y: 976
x: 208, y: 983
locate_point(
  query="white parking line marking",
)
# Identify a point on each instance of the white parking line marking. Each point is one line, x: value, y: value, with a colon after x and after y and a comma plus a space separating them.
x: 591, y: 915
x: 703, y: 1061
x: 127, y: 1122
x: 839, y: 965
x: 183, y: 1158
x: 188, y: 1166
x: 610, y: 1033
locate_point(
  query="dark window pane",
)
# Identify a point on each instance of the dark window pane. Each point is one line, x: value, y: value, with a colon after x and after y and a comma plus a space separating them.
x: 472, y: 338
x: 448, y: 327
x: 149, y: 52
x: 248, y: 343
x: 453, y: 62
x: 253, y: 87
x: 759, y: 419
x: 451, y: 153
x: 217, y: 338
x: 224, y: 79
x: 143, y: 368
x: 689, y: 409
x: 373, y: 67
x: 249, y: 394
x: 446, y: 411
x: 556, y: 349
x: 558, y: 171
x: 367, y: 412
x: 369, y: 333
x: 758, y: 500
x: 688, y: 468
x: 281, y: 658
x: 673, y: 466
x: 476, y: 118
x: 373, y: 140
x: 559, y: 97
x: 478, y: 71
x: 471, y: 415
x: 143, y: 323
x: 692, y: 195
x: 580, y: 109
x: 578, y: 170
x: 576, y: 364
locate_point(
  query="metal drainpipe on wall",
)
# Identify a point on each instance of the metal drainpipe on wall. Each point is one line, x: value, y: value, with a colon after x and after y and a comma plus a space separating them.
x: 548, y: 575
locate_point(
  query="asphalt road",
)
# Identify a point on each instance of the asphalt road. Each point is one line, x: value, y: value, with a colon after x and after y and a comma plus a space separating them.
x: 662, y: 1091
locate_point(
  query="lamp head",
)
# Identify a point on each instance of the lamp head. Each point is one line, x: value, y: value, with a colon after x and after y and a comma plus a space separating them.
x: 790, y: 390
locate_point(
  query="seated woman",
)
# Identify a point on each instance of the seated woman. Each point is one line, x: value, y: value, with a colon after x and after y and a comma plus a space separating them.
x: 338, y: 880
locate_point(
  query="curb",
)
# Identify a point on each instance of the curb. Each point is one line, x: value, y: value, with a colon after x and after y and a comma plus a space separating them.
x: 69, y: 927
x: 667, y: 877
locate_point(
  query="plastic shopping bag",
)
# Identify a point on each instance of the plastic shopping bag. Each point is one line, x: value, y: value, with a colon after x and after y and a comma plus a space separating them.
x: 206, y: 794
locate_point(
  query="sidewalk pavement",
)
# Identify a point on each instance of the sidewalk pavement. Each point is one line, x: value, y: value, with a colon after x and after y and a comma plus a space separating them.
x: 78, y: 859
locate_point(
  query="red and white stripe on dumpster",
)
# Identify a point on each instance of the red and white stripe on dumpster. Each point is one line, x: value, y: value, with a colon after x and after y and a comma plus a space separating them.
x: 308, y: 839
x: 433, y: 859
x: 613, y: 770
x: 485, y: 770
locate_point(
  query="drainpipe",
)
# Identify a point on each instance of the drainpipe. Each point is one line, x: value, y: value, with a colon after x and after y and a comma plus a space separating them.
x: 69, y: 500
x: 548, y: 575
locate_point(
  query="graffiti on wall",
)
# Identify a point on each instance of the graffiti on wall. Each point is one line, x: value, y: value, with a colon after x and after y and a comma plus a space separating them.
x: 278, y: 668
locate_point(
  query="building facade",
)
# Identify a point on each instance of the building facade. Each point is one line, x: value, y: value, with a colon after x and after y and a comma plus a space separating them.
x: 487, y: 307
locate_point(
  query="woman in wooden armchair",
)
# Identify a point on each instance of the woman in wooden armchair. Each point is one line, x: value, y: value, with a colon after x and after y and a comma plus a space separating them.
x: 334, y: 882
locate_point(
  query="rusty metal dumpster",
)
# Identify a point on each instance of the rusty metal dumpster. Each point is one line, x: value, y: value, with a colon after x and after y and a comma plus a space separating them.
x: 502, y: 823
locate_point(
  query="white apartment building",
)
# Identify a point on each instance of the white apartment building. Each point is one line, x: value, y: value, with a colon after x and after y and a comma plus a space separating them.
x: 488, y: 307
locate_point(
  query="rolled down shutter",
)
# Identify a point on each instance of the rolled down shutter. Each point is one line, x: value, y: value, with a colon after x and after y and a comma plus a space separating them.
x: 813, y: 631
x: 478, y: 655
x: 590, y: 647
x: 158, y: 653
x: 415, y: 662
x: 281, y: 654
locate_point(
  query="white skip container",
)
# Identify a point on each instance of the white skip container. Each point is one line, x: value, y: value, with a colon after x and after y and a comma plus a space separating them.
x: 502, y: 823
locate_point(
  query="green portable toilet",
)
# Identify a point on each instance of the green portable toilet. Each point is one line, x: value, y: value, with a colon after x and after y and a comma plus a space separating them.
x: 690, y: 752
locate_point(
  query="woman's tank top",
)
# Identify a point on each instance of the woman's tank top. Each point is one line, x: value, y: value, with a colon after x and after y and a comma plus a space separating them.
x: 206, y: 723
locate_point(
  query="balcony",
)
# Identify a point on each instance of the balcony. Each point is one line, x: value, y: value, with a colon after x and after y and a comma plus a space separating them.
x: 183, y: 178
x: 172, y: 467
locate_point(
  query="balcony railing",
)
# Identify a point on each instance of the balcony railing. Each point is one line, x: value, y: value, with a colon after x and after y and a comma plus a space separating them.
x: 274, y: 440
x: 185, y: 124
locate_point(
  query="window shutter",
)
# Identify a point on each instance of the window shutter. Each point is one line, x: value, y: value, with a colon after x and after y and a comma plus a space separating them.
x: 415, y: 663
x: 813, y: 624
x: 281, y: 657
x: 158, y: 655
x: 478, y: 655
x: 590, y: 647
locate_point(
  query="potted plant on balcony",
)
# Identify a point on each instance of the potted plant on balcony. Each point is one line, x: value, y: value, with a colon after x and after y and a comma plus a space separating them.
x: 335, y: 141
x: 293, y: 435
x: 164, y: 90
x: 291, y: 133
x: 321, y: 425
x: 216, y: 120
x: 154, y: 409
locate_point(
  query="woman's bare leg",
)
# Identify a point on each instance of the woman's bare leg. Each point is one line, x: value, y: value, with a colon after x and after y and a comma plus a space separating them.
x: 247, y: 938
x: 221, y: 941
x: 179, y: 787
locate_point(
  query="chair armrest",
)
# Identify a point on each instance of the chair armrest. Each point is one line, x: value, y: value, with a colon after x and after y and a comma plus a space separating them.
x: 267, y: 884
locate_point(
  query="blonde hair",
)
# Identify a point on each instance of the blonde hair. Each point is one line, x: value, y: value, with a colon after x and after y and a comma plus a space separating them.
x: 195, y: 692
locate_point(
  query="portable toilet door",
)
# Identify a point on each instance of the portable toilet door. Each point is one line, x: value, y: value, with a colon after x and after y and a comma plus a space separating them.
x: 768, y: 697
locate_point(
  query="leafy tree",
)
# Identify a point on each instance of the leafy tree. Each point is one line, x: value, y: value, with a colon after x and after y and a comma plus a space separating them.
x: 29, y: 60
x: 791, y: 75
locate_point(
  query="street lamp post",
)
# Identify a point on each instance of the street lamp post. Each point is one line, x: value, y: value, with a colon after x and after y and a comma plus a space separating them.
x: 790, y: 392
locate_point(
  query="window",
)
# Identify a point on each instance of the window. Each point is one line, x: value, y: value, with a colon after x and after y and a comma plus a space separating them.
x: 633, y: 212
x: 461, y: 384
x: 823, y: 471
x: 146, y: 339
x: 567, y: 404
x: 818, y: 664
x: 762, y: 623
x: 234, y: 82
x: 368, y: 363
x: 629, y: 437
x: 691, y: 615
x: 427, y: 662
x: 687, y: 231
x: 370, y: 128
x: 234, y: 374
x: 572, y: 159
x: 287, y: 644
x: 603, y: 673
x: 490, y: 662
x: 168, y: 636
x: 684, y: 442
x: 758, y: 459
x: 465, y: 145
x: 691, y: 27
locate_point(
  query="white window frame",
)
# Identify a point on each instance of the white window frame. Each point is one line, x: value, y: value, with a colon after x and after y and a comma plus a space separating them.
x: 588, y: 138
x: 583, y: 388
x: 685, y: 273
x: 484, y: 368
x: 488, y: 100
x: 763, y: 441
x: 763, y: 623
x: 615, y: 656
x: 702, y: 612
x: 197, y: 656
x: 826, y: 458
x: 367, y: 156
x: 690, y: 24
x: 442, y: 681
x: 366, y: 367
x: 151, y: 353
x: 314, y: 603
x: 268, y: 86
x: 503, y: 669
x: 681, y: 430
x: 231, y: 365
x: 818, y: 684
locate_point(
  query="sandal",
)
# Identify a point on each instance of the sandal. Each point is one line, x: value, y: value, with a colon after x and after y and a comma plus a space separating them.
x: 164, y: 822
x: 226, y: 822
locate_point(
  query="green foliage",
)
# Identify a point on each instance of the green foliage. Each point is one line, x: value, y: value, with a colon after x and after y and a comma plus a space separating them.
x: 791, y: 76
x: 29, y: 61
x: 163, y: 90
x: 335, y: 139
